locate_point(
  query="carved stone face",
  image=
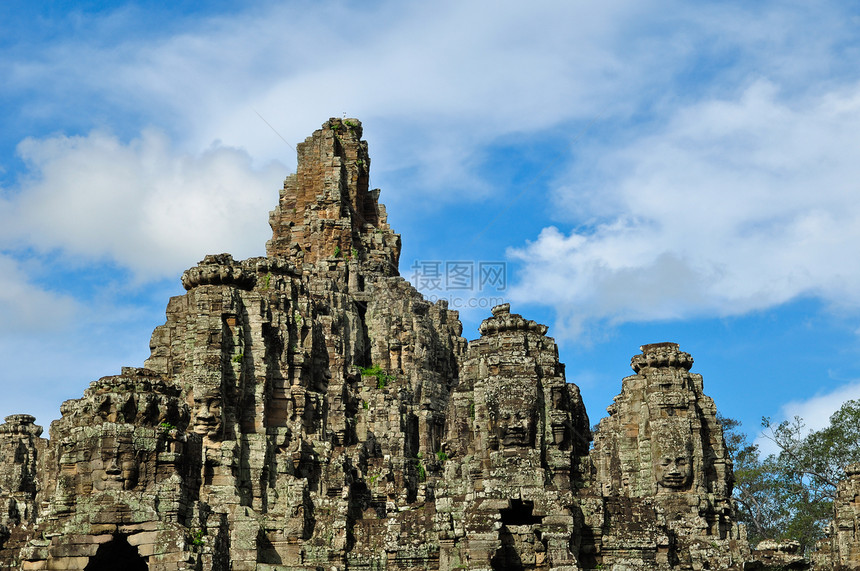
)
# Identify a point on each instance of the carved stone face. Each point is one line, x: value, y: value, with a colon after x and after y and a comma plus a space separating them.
x: 513, y: 419
x: 674, y: 467
x: 206, y: 412
x: 113, y: 464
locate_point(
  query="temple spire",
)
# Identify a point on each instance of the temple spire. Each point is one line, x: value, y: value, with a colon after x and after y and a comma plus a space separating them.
x: 326, y: 210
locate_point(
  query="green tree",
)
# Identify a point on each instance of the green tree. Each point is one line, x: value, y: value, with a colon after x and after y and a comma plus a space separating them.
x: 756, y: 487
x: 803, y: 510
x: 789, y: 494
x: 820, y: 457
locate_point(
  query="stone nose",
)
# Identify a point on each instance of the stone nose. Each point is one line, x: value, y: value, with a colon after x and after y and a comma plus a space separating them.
x: 673, y: 468
x: 112, y: 468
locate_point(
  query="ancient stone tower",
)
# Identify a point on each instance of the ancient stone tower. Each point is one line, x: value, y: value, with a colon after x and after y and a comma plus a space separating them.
x: 663, y: 471
x: 310, y: 410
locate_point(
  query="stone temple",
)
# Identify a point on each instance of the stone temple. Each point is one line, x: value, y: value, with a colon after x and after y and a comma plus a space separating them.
x: 310, y: 410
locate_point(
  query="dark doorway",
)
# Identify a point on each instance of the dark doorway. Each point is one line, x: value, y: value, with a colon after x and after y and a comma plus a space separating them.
x: 520, y: 513
x: 117, y: 554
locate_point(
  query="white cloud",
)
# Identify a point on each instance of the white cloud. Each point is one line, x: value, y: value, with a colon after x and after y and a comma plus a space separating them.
x: 27, y: 307
x: 140, y: 204
x: 436, y: 86
x: 815, y: 412
x: 44, y: 367
x: 738, y: 204
x: 433, y: 84
x: 438, y: 82
x: 742, y: 201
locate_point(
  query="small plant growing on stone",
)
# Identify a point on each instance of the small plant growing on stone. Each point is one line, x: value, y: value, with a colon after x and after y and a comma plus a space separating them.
x: 354, y: 254
x: 197, y: 537
x: 350, y: 124
x: 238, y: 358
x: 422, y: 472
x: 337, y: 251
x: 365, y: 405
x: 266, y: 280
x: 442, y: 456
x: 373, y: 479
x: 382, y: 378
x: 472, y: 410
x: 166, y: 427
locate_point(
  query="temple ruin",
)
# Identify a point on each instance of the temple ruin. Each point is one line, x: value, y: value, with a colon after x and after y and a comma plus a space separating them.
x: 311, y: 410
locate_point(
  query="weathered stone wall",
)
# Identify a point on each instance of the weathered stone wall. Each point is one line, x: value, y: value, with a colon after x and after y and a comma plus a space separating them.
x: 117, y: 471
x: 663, y: 471
x: 512, y: 455
x: 841, y: 549
x: 311, y: 410
x: 21, y: 450
x: 326, y: 208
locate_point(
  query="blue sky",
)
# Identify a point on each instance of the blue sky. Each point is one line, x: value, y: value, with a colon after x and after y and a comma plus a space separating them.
x: 649, y: 171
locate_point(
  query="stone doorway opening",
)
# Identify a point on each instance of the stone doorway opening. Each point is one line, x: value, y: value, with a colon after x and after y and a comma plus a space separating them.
x: 117, y: 553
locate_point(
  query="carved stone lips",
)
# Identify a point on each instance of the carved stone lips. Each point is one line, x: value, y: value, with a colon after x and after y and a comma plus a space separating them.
x: 514, y: 436
x: 205, y: 424
x: 674, y: 480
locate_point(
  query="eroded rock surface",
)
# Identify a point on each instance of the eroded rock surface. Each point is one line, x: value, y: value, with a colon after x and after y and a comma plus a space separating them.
x: 311, y: 410
x: 841, y: 549
x: 663, y: 471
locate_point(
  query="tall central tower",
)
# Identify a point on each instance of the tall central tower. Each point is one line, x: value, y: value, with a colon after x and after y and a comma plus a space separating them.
x: 326, y: 208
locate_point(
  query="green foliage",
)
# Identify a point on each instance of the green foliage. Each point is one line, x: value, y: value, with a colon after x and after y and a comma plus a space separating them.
x: 238, y: 358
x: 382, y: 378
x: 197, y: 537
x: 337, y: 251
x: 441, y: 455
x: 373, y: 479
x: 350, y: 124
x: 472, y: 409
x: 821, y: 455
x: 266, y: 280
x: 166, y: 427
x: 422, y: 471
x: 789, y: 495
x: 354, y: 254
x: 365, y: 405
x: 335, y: 126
